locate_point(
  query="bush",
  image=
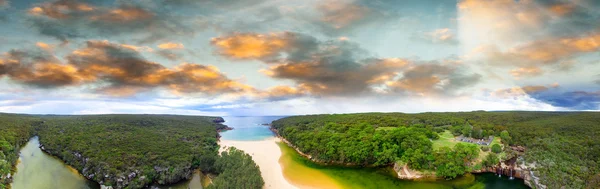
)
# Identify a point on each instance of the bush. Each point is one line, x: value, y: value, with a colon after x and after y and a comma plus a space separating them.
x: 496, y: 148
x: 485, y: 148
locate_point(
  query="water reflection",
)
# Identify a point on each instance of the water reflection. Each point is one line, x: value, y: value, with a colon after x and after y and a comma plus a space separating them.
x: 39, y: 170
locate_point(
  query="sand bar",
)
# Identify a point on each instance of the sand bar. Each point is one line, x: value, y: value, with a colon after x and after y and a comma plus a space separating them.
x: 266, y: 154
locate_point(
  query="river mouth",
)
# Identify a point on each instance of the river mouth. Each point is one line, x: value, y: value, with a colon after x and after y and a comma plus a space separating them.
x: 38, y: 170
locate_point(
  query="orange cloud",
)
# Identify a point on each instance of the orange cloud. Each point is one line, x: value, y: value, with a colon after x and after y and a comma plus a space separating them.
x: 251, y: 46
x: 44, y: 46
x: 61, y: 9
x: 120, y: 68
x: 526, y: 71
x: 171, y: 45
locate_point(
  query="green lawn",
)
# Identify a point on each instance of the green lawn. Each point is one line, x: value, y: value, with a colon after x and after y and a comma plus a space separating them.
x: 446, y: 139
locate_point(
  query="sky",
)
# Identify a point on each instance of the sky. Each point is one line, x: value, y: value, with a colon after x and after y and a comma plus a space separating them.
x: 286, y: 57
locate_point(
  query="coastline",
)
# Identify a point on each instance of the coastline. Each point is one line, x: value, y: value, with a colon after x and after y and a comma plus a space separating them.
x: 266, y: 153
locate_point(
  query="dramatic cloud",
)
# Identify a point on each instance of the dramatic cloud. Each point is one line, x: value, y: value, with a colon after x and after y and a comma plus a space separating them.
x: 66, y: 19
x: 431, y: 78
x: 38, y: 68
x: 266, y: 47
x: 116, y: 69
x: 339, y: 67
x: 335, y: 76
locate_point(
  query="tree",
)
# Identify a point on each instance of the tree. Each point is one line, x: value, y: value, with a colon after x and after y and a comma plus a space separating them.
x: 496, y: 148
x: 506, y: 139
x: 490, y: 160
x: 466, y: 131
x: 485, y: 148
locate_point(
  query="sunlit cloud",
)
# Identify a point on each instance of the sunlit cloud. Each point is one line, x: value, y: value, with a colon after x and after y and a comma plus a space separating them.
x: 171, y: 45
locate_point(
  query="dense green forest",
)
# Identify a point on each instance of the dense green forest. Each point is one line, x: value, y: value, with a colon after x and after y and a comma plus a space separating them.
x: 563, y: 145
x: 132, y: 150
x: 15, y: 130
x: 128, y: 151
x: 237, y: 170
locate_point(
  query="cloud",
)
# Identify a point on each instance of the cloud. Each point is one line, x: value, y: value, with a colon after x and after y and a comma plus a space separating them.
x: 38, y: 68
x: 575, y: 100
x: 114, y: 69
x: 68, y: 19
x: 526, y: 72
x: 520, y: 91
x: 513, y: 21
x: 171, y: 45
x: 169, y: 54
x: 433, y: 78
x: 341, y: 14
x: 532, y: 57
x: 339, y: 67
x: 438, y: 36
x: 266, y: 47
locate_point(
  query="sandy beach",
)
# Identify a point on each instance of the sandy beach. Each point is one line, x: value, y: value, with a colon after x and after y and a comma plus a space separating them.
x: 266, y: 154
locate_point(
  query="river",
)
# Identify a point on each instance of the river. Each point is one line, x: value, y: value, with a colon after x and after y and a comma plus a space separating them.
x: 38, y: 170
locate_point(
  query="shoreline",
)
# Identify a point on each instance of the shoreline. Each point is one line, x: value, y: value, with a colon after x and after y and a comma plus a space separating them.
x: 404, y: 172
x: 266, y: 154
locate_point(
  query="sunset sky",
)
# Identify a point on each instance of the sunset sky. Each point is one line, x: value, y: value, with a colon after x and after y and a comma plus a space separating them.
x: 283, y: 57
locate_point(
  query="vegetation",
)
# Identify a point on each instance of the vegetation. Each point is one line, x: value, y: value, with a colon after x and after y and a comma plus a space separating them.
x: 15, y: 131
x: 301, y: 171
x: 496, y: 148
x: 238, y: 170
x: 564, y: 145
x: 339, y: 139
x: 128, y: 151
x: 132, y: 150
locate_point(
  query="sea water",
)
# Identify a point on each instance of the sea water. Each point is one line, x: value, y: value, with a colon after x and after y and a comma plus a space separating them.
x: 247, y: 128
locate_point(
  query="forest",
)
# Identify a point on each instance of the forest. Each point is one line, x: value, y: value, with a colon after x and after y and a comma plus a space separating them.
x: 129, y: 151
x: 15, y: 131
x: 237, y: 170
x: 563, y: 145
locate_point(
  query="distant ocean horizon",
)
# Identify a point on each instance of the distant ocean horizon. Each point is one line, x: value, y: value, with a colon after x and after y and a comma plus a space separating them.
x: 248, y: 128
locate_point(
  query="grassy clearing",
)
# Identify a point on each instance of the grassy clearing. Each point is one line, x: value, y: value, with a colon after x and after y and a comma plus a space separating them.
x: 446, y: 140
